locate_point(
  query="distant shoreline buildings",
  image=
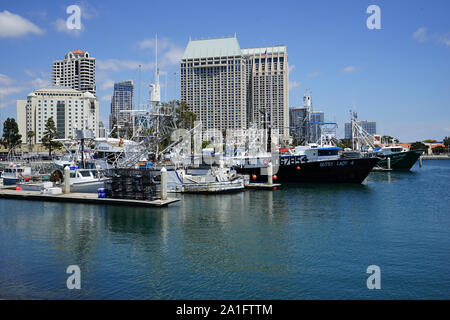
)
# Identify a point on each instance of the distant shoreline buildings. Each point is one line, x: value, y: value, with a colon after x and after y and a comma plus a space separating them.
x: 71, y: 101
x: 369, y: 126
x: 70, y: 109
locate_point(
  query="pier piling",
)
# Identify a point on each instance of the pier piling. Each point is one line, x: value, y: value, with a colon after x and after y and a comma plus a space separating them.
x: 389, y: 163
x: 163, y: 184
x: 67, y: 179
x: 270, y: 174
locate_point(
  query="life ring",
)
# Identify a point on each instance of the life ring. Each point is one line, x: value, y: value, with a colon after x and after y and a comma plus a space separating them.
x: 265, y: 162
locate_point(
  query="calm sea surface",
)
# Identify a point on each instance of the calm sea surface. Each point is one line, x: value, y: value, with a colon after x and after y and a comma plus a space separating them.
x: 303, y: 242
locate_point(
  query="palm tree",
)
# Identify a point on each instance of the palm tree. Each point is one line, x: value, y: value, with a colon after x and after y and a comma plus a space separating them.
x: 30, y: 136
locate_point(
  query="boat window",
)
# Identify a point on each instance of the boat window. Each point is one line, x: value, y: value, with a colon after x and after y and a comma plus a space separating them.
x: 85, y: 174
x: 328, y: 152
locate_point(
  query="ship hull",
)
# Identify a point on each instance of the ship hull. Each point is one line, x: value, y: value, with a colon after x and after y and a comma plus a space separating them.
x: 292, y: 169
x: 402, y: 161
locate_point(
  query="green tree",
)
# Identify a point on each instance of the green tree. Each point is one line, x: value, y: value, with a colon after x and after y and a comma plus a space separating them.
x: 114, y: 129
x: 447, y: 141
x: 50, y: 134
x: 205, y: 144
x: 30, y: 136
x: 345, y: 143
x: 185, y: 116
x: 438, y: 150
x: 418, y: 146
x: 429, y: 141
x: 11, y: 137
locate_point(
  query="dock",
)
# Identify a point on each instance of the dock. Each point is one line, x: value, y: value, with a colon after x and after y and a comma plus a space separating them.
x: 89, y: 198
x: 262, y: 186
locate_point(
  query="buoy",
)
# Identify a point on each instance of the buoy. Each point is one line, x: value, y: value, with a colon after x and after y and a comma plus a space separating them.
x: 275, y: 177
x: 274, y: 188
x: 18, y: 188
x: 298, y: 168
x: 27, y: 179
x: 254, y: 177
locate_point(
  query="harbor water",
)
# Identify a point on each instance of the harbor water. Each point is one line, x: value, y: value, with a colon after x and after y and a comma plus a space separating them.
x: 311, y: 241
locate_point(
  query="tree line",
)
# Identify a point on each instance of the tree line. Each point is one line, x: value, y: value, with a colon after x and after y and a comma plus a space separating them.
x: 12, y: 139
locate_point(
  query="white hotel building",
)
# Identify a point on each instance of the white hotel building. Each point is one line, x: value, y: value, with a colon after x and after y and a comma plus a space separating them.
x: 69, y: 108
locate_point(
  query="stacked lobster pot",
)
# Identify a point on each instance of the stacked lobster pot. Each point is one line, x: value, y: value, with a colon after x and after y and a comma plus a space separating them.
x: 133, y: 184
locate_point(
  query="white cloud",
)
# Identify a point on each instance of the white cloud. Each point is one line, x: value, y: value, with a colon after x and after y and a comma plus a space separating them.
x: 108, y: 84
x: 39, y: 83
x: 105, y: 98
x: 421, y: 34
x: 313, y: 74
x: 120, y: 65
x: 61, y: 26
x: 173, y: 56
x: 168, y: 51
x: 150, y: 43
x: 349, y: 69
x: 294, y: 85
x: 13, y: 25
x: 5, y: 91
x: 444, y: 39
x: 5, y: 80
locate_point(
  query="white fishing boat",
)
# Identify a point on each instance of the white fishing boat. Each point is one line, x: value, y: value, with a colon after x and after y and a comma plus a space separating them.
x: 82, y: 180
x: 15, y: 173
x: 208, y: 180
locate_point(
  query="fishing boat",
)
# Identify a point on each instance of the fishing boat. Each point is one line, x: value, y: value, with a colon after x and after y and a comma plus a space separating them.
x: 15, y: 173
x: 313, y: 164
x: 82, y: 180
x: 206, y: 180
x: 401, y: 158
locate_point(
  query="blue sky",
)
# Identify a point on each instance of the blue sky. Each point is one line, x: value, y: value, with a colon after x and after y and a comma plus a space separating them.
x: 398, y: 76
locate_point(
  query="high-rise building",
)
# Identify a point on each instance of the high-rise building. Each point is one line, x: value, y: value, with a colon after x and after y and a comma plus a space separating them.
x: 76, y: 71
x: 298, y: 122
x: 122, y: 100
x: 213, y: 84
x: 230, y: 87
x: 69, y: 108
x: 369, y: 126
x: 315, y: 130
x: 267, y: 87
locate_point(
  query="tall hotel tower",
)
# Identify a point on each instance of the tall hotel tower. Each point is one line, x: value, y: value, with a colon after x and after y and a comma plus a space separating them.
x: 76, y: 71
x: 232, y: 88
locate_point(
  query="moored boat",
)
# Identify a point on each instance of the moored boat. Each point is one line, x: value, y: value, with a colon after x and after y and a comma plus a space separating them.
x: 401, y: 158
x: 314, y: 164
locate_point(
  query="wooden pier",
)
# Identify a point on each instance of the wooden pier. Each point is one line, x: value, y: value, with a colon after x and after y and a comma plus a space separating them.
x: 89, y: 198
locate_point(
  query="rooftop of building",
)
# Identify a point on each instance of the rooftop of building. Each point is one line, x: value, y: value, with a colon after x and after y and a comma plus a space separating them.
x: 216, y: 47
x: 61, y: 90
x: 78, y: 51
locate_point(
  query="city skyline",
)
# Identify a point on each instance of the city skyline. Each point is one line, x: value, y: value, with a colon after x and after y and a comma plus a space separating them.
x: 396, y: 76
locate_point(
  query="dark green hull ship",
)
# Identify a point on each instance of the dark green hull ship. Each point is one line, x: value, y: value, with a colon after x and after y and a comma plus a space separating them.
x: 402, y: 161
